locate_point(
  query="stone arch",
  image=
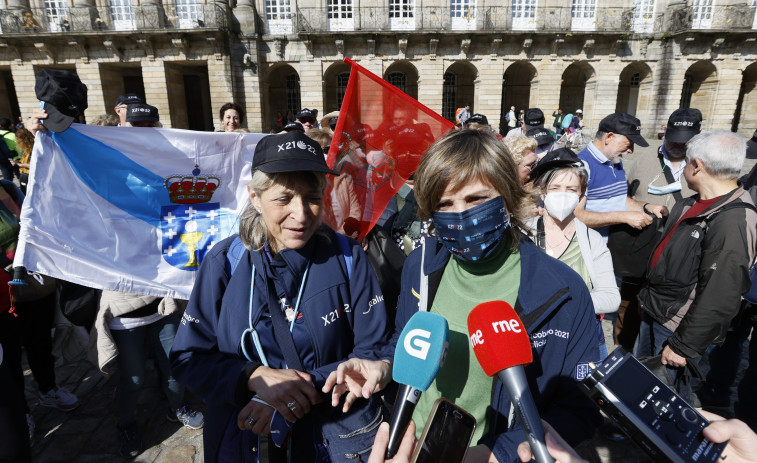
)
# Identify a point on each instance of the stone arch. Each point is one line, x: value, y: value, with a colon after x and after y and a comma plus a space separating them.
x: 745, y: 117
x: 334, y: 84
x: 396, y: 71
x: 459, y: 88
x: 700, y: 87
x: 282, y: 93
x: 635, y: 91
x: 516, y: 89
x: 578, y: 88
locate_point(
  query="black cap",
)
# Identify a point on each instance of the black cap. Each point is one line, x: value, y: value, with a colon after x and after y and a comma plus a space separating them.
x: 289, y: 152
x: 541, y: 135
x: 754, y: 136
x: 129, y: 98
x: 478, y: 118
x: 141, y: 113
x: 332, y: 122
x: 623, y: 124
x: 305, y: 112
x: 561, y: 157
x: 64, y: 95
x: 683, y: 124
x: 533, y: 117
x: 293, y: 126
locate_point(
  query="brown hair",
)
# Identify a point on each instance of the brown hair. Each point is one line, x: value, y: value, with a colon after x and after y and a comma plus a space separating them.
x: 24, y: 140
x: 463, y: 156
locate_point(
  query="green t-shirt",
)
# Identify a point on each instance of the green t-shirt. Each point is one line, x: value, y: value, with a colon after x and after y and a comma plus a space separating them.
x: 573, y: 258
x: 463, y: 286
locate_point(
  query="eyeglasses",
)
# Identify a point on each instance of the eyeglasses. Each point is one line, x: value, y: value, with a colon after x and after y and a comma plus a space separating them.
x: 307, y: 120
x: 531, y: 166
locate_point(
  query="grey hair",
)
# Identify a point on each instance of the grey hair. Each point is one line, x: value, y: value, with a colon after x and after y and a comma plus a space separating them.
x: 543, y: 181
x: 252, y: 228
x: 599, y: 135
x: 722, y: 152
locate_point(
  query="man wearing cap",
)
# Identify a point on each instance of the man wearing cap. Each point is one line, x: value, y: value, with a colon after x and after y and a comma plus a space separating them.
x: 700, y: 267
x: 607, y: 202
x: 656, y: 178
x: 122, y: 102
x: 292, y: 127
x: 544, y: 140
x: 306, y: 117
x: 534, y: 117
x: 478, y: 122
x: 142, y: 115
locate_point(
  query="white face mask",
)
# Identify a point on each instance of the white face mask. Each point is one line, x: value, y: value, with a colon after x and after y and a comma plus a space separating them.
x: 560, y: 204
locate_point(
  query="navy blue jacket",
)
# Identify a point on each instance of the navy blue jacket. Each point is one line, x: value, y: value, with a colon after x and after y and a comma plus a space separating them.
x: 344, y: 318
x: 555, y: 306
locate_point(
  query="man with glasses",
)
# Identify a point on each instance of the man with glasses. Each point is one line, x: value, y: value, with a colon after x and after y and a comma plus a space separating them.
x: 307, y: 117
x: 122, y: 103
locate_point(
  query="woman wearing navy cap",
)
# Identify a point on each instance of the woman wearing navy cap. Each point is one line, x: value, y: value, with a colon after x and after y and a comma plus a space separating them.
x: 273, y: 312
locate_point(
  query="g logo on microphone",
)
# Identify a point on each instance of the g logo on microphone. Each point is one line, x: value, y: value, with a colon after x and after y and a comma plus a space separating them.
x: 415, y: 345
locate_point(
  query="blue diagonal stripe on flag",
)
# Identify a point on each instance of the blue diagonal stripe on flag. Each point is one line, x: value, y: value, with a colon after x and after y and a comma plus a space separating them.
x: 99, y: 211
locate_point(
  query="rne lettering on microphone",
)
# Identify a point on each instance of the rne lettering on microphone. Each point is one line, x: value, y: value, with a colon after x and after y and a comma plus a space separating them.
x: 507, y: 325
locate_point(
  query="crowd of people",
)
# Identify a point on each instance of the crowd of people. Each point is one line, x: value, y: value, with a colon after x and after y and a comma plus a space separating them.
x: 289, y: 339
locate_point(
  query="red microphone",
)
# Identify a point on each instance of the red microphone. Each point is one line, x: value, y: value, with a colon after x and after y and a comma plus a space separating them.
x: 502, y: 347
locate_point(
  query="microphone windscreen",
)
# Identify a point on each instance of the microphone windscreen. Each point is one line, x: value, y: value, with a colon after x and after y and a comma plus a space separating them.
x: 421, y: 350
x: 498, y: 337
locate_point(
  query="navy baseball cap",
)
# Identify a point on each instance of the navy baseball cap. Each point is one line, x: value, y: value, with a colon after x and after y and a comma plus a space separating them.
x: 293, y: 126
x: 477, y: 118
x: 141, y: 113
x: 623, y: 124
x: 64, y: 95
x: 289, y: 152
x: 541, y: 135
x: 306, y: 113
x: 683, y: 124
x: 129, y: 98
x: 561, y: 157
x: 533, y: 117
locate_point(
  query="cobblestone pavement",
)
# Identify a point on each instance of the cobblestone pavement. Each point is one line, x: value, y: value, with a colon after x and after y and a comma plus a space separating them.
x: 88, y: 434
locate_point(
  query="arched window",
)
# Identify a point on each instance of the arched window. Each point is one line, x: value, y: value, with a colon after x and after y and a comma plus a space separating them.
x: 449, y: 96
x: 341, y: 87
x: 293, y: 93
x: 398, y: 79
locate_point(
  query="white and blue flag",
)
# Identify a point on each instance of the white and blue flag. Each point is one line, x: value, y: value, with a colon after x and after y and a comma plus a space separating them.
x: 132, y: 210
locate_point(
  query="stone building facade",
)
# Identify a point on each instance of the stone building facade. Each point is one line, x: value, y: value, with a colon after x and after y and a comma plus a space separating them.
x: 189, y: 57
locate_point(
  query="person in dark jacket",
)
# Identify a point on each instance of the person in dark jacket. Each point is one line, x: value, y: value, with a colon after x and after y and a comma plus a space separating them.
x: 468, y: 178
x: 290, y: 275
x: 700, y: 268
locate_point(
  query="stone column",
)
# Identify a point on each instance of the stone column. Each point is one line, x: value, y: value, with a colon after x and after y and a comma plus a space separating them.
x: 89, y: 73
x: 725, y: 96
x: 311, y: 85
x: 156, y: 91
x: 23, y: 80
x: 430, y: 82
x: 488, y: 88
x: 221, y: 88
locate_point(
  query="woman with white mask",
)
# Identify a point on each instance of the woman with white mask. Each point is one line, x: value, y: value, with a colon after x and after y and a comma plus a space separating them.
x: 561, y: 178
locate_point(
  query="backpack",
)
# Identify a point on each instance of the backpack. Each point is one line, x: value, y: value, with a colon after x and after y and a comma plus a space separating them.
x: 507, y: 116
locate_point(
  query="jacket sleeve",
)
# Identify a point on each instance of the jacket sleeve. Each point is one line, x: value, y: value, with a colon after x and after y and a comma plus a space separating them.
x: 605, y: 294
x: 196, y: 361
x: 729, y: 248
x: 562, y: 404
x: 371, y: 327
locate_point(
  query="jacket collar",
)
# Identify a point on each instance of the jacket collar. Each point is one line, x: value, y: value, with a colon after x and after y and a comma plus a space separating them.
x: 535, y: 302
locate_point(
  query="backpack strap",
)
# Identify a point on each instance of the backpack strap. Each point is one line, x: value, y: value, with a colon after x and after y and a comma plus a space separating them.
x: 234, y: 254
x: 344, y: 246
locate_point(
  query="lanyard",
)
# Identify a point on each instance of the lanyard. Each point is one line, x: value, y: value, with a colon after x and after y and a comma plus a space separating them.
x: 251, y: 329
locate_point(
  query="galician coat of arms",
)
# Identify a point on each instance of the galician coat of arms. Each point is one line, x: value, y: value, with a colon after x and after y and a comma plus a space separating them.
x: 191, y: 225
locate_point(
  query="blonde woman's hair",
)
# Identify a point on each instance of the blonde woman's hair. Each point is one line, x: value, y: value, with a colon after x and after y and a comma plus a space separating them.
x: 519, y: 147
x: 252, y: 228
x: 463, y: 156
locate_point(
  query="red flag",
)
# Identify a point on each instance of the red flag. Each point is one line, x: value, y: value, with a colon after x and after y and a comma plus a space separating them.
x: 378, y: 142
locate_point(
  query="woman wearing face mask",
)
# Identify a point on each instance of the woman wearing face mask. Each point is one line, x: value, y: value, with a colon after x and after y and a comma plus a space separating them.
x: 468, y: 184
x: 561, y: 178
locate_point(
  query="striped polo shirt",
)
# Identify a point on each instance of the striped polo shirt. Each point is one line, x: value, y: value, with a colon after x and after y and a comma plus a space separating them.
x: 607, y: 189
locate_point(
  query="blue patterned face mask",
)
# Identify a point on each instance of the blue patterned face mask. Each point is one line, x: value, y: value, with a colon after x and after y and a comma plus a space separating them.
x: 473, y: 234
